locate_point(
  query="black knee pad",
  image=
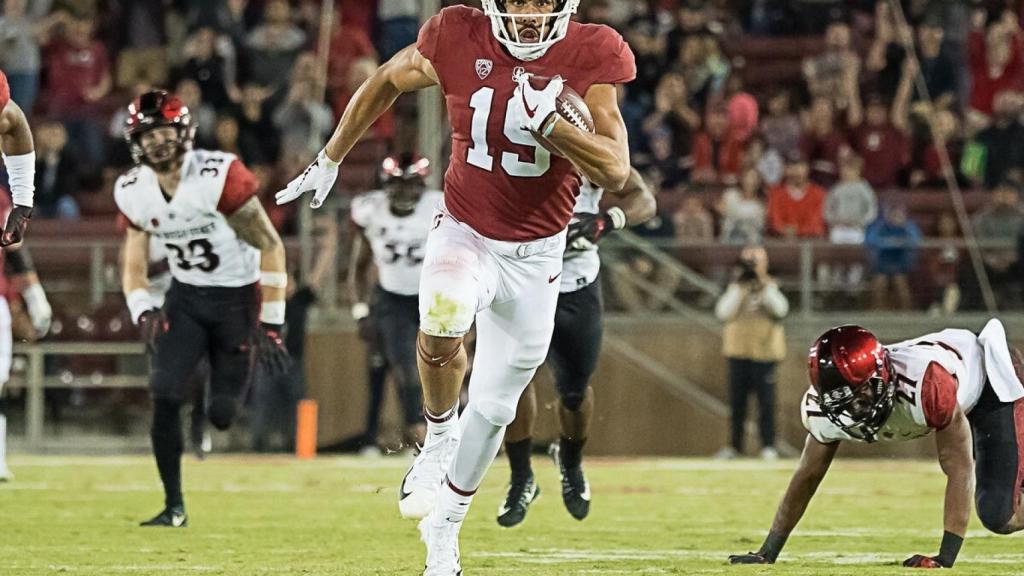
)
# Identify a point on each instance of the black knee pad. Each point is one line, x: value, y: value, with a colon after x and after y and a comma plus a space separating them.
x: 573, y: 400
x: 222, y: 412
x: 3, y: 406
x: 994, y: 510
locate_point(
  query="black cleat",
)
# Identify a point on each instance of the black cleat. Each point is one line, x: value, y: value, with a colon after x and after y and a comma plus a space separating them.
x: 521, y: 493
x: 173, y: 517
x: 575, y: 488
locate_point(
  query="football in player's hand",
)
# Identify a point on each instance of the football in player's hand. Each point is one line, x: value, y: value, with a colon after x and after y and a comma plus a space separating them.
x: 570, y: 106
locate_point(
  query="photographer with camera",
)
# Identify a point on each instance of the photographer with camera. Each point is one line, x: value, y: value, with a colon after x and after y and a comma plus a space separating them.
x: 753, y: 341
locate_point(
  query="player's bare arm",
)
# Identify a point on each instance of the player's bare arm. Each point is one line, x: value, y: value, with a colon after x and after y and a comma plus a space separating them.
x: 15, y: 133
x: 358, y: 280
x: 20, y: 160
x: 603, y: 157
x: 251, y: 223
x: 407, y: 71
x: 636, y: 199
x: 19, y: 268
x: 814, y: 464
x: 134, y: 261
x: 955, y: 448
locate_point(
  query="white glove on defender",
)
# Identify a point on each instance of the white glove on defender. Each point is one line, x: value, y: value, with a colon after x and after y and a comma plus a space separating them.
x: 318, y: 176
x: 534, y: 107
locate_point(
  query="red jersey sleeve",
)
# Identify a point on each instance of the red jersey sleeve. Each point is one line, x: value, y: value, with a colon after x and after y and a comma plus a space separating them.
x: 938, y: 396
x: 429, y: 40
x: 5, y: 91
x: 239, y: 187
x: 620, y: 66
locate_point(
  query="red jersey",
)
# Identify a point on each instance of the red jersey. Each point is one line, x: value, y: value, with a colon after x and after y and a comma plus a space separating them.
x: 5, y: 91
x: 500, y: 181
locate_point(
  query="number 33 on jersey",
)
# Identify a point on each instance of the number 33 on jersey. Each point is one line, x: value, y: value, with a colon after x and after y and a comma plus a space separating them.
x: 203, y: 250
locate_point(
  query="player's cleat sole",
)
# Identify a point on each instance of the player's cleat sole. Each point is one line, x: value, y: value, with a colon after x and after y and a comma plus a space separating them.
x: 168, y: 518
x: 521, y: 493
x: 575, y: 488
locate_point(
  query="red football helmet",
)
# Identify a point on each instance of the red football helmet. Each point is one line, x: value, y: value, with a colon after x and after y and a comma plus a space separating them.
x: 155, y: 109
x: 854, y: 378
x: 404, y: 178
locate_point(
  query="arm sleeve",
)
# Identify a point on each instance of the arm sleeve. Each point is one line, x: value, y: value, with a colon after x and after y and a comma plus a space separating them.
x: 775, y: 301
x: 729, y: 303
x: 938, y: 396
x: 239, y: 186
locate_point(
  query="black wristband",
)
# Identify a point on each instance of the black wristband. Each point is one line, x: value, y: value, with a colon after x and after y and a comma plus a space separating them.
x: 950, y: 548
x: 772, y: 546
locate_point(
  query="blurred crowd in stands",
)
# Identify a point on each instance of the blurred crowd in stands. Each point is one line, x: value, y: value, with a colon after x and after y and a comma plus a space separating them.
x: 846, y: 121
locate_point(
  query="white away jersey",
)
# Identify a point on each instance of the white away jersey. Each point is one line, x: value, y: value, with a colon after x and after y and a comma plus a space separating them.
x: 203, y: 249
x: 934, y: 374
x: 396, y: 241
x: 580, y: 267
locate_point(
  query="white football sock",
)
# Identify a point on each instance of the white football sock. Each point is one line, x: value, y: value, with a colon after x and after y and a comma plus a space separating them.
x: 442, y: 424
x: 452, y: 505
x: 479, y: 445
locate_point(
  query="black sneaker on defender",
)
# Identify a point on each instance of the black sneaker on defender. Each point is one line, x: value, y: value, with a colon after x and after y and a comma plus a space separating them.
x: 575, y: 488
x: 173, y: 517
x: 521, y: 493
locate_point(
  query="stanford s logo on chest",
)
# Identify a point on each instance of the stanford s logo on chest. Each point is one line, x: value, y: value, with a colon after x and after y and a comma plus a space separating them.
x: 483, y: 68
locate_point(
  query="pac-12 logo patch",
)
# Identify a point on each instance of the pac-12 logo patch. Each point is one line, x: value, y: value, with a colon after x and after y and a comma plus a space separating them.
x: 483, y: 68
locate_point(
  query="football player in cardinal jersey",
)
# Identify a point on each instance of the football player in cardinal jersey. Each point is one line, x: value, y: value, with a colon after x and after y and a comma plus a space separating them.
x: 575, y: 346
x: 17, y: 269
x: 494, y: 254
x: 20, y: 163
x: 226, y: 300
x: 392, y: 226
x: 963, y: 387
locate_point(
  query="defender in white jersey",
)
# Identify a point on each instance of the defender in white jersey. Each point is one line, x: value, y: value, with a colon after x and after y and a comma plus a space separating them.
x: 959, y: 385
x: 392, y: 225
x: 575, y: 346
x: 226, y: 300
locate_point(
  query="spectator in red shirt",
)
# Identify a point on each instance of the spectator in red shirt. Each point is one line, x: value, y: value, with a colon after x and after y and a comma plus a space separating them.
x: 717, y: 150
x: 995, y: 57
x: 882, y: 140
x: 796, y: 205
x: 78, y: 72
x: 822, y: 142
x: 349, y: 44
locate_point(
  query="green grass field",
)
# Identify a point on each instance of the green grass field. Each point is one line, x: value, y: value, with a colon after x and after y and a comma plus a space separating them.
x: 252, y: 516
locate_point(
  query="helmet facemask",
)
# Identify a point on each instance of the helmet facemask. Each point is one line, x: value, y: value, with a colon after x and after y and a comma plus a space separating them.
x: 550, y: 27
x: 860, y: 411
x: 153, y: 110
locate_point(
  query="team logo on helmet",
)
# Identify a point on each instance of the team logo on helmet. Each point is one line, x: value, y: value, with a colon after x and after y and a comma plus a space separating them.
x: 483, y: 68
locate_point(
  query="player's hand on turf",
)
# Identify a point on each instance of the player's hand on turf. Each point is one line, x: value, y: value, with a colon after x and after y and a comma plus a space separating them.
x: 318, y: 177
x: 152, y: 324
x: 533, y: 107
x: 750, y: 558
x: 921, y: 561
x: 586, y: 230
x: 270, y: 350
x: 17, y: 223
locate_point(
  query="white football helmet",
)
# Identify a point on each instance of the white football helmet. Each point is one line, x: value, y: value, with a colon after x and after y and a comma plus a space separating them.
x: 553, y: 27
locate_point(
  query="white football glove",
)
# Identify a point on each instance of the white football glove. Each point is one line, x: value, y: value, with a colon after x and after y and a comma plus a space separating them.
x: 534, y: 107
x: 318, y: 176
x: 39, y: 311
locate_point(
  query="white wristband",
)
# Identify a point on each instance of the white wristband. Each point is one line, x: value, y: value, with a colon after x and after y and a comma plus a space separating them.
x: 272, y: 312
x: 274, y: 279
x: 35, y: 296
x: 360, y: 310
x: 21, y: 174
x: 618, y: 217
x: 139, y: 301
